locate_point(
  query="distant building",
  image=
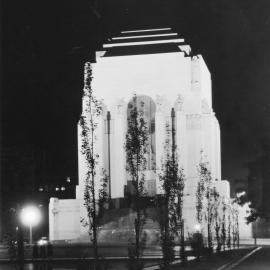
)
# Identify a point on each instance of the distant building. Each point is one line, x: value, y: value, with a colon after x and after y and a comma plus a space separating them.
x: 159, y: 66
x: 18, y: 178
x: 60, y: 188
x: 25, y: 179
x: 258, y: 191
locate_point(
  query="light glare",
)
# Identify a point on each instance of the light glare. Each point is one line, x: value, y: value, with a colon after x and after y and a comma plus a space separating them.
x: 197, y: 227
x: 30, y: 216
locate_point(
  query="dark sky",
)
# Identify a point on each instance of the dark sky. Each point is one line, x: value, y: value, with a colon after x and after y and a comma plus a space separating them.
x: 45, y: 43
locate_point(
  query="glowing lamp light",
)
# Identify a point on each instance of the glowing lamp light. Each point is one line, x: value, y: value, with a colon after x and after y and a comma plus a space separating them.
x: 42, y: 242
x: 30, y: 216
x: 197, y: 227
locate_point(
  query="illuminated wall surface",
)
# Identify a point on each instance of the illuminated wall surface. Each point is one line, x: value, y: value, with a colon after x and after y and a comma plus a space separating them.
x: 160, y: 68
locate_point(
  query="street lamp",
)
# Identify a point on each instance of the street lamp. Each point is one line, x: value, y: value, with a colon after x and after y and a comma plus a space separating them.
x: 30, y: 216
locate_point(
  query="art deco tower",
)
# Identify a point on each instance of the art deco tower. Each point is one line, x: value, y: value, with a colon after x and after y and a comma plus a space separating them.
x: 160, y: 68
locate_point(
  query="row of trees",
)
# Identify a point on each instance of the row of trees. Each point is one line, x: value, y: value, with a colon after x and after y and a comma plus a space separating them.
x: 170, y: 203
x: 212, y: 209
x: 171, y: 176
x: 217, y: 215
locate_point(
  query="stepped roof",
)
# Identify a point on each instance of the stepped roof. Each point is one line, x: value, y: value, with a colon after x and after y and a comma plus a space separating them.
x: 147, y: 41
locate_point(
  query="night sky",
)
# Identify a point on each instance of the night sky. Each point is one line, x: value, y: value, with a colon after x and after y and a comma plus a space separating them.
x: 45, y: 44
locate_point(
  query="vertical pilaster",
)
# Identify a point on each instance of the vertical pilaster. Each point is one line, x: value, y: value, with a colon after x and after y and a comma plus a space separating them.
x: 209, y: 142
x: 160, y: 121
x: 194, y: 144
x: 99, y: 142
x: 53, y: 219
x: 82, y: 170
x: 181, y: 133
x: 81, y: 165
x: 218, y: 149
x: 118, y: 156
x: 108, y: 132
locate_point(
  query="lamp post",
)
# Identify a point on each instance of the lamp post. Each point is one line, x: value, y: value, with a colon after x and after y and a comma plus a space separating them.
x: 30, y: 216
x: 109, y: 150
x: 255, y: 232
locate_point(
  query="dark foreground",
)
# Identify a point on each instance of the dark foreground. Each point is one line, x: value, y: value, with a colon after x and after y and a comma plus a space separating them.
x: 257, y: 261
x: 242, y: 259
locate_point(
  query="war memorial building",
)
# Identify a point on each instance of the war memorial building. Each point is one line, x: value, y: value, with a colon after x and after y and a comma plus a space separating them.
x: 161, y: 69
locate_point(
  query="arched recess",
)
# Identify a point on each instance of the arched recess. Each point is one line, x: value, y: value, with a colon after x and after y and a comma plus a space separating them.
x: 146, y: 105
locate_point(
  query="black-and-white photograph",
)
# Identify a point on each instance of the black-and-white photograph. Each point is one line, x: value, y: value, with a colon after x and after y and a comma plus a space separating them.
x: 135, y: 135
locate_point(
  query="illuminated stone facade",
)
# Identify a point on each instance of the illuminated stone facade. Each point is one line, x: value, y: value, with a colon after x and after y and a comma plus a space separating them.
x: 160, y: 68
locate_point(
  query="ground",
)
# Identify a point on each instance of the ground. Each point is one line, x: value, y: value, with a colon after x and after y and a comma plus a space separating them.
x: 234, y: 259
x: 245, y: 258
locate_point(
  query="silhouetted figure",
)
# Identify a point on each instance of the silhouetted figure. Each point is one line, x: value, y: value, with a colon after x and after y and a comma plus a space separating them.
x: 50, y: 250
x: 35, y: 251
x: 196, y: 242
x: 43, y: 251
x: 20, y: 248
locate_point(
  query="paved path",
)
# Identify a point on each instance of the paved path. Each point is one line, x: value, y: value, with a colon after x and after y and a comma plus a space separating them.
x: 259, y: 260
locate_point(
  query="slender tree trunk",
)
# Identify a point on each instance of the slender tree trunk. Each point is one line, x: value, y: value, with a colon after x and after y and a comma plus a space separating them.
x: 209, y: 235
x: 166, y: 244
x: 182, y: 242
x: 137, y: 222
x: 138, y: 219
x: 95, y: 234
x: 94, y: 199
x: 223, y: 235
x: 95, y: 245
x: 209, y: 231
x: 217, y: 236
x: 237, y: 227
x: 229, y: 234
x: 233, y: 233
